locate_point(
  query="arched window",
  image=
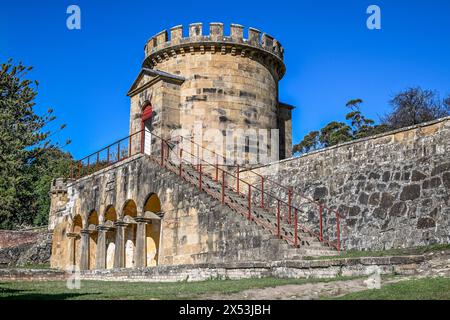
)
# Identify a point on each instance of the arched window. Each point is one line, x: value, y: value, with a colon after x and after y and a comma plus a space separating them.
x: 146, y: 124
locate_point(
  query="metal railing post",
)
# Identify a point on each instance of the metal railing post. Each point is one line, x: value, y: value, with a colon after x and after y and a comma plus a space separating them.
x: 223, y: 186
x: 107, y: 156
x: 162, y: 152
x: 290, y: 205
x: 118, y: 152
x: 262, y: 192
x: 321, y: 221
x: 217, y: 168
x: 200, y: 177
x: 237, y: 178
x: 181, y: 161
x: 338, y: 222
x: 278, y: 220
x: 129, y: 145
x: 249, y: 202
x: 296, y: 227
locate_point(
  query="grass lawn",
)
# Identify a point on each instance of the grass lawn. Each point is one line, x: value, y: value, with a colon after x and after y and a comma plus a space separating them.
x: 98, y: 290
x: 386, y: 253
x: 418, y: 289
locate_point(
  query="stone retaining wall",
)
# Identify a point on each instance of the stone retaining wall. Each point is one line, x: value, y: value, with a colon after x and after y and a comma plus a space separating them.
x: 25, y: 247
x: 391, y: 190
x: 13, y: 238
x: 432, y: 264
x: 31, y: 275
x: 278, y: 269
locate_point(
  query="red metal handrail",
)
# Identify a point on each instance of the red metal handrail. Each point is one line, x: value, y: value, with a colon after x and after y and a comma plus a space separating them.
x: 267, y: 199
x: 290, y: 194
x: 85, y: 166
x: 263, y: 193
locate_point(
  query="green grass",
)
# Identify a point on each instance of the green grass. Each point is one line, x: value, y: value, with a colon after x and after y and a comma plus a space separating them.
x: 385, y: 253
x: 99, y: 290
x: 418, y: 289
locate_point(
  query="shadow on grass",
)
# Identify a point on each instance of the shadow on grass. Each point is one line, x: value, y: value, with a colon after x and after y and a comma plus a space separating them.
x: 42, y: 296
x: 31, y: 294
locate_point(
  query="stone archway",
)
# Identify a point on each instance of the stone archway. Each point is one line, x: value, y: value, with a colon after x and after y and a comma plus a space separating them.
x: 93, y: 237
x: 110, y: 218
x: 129, y: 213
x: 75, y: 235
x: 152, y: 207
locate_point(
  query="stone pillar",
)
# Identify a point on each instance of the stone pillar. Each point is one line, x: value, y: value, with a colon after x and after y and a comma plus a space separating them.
x: 101, y: 247
x: 72, y: 238
x: 119, y: 254
x: 141, y: 245
x: 84, y: 248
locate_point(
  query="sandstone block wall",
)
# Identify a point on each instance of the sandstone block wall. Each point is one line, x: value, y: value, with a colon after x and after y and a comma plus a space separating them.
x: 228, y: 83
x: 195, y: 228
x: 392, y: 190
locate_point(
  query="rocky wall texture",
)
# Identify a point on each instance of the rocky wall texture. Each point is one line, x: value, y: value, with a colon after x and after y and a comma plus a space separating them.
x: 391, y: 190
x: 31, y: 248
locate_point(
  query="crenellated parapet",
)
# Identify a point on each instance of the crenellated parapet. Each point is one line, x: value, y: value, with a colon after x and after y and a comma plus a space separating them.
x: 259, y: 46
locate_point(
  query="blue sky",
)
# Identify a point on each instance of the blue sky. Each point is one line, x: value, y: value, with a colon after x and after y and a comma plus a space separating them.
x: 330, y: 55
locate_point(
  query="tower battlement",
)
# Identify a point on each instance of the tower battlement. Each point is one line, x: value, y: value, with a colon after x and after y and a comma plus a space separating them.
x: 257, y: 45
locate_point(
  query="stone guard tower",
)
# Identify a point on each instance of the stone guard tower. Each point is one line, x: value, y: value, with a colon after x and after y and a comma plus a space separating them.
x: 212, y: 81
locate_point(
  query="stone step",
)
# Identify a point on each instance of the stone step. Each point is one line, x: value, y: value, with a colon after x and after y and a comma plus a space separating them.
x: 309, y: 244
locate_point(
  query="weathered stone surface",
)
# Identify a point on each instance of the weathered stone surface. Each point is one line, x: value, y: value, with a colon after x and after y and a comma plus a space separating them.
x: 374, y: 199
x: 398, y: 209
x: 432, y: 183
x: 25, y: 252
x: 410, y: 192
x: 380, y: 213
x: 387, y: 200
x: 417, y: 176
x: 320, y: 192
x: 414, y: 179
x: 446, y: 179
x: 363, y: 198
x: 426, y: 223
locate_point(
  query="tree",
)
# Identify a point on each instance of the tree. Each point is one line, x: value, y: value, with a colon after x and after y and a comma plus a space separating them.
x: 23, y: 141
x: 52, y: 163
x: 335, y: 133
x: 310, y: 142
x: 414, y: 106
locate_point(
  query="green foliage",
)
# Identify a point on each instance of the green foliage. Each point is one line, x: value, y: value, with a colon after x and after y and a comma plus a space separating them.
x: 335, y: 133
x: 310, y: 142
x: 27, y: 155
x: 339, y: 132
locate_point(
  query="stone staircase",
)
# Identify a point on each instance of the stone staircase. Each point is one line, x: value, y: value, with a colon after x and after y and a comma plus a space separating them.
x: 256, y: 221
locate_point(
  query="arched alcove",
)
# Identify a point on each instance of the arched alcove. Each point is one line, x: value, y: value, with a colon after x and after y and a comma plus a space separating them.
x: 152, y: 229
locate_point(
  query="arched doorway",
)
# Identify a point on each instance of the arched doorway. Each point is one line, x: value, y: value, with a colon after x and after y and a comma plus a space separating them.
x: 93, y: 236
x: 152, y: 229
x: 129, y: 213
x: 146, y: 125
x: 110, y: 218
x: 77, y: 226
